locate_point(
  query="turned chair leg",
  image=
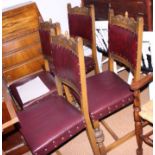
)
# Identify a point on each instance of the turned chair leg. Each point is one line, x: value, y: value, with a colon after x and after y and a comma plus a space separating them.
x: 99, y: 137
x: 139, y: 132
x: 138, y: 123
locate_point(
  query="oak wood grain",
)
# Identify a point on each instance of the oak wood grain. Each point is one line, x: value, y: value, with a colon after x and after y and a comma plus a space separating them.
x: 21, y: 46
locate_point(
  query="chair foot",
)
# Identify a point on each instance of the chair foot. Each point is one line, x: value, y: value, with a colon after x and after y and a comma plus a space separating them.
x: 139, y: 151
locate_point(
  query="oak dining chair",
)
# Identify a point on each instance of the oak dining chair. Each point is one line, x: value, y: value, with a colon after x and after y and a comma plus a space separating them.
x: 105, y: 93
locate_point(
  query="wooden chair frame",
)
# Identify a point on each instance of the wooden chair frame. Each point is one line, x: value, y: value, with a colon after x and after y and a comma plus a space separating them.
x: 87, y: 11
x: 136, y: 27
x: 137, y: 86
x: 97, y: 144
x: 77, y: 47
x: 94, y: 132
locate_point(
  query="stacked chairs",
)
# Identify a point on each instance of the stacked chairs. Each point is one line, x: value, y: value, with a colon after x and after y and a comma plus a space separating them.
x: 81, y: 21
x: 44, y: 76
x: 39, y: 118
x: 102, y: 94
x: 98, y: 96
x: 68, y: 73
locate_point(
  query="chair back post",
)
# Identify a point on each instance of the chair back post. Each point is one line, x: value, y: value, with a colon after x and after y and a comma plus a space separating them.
x: 94, y: 50
x: 59, y: 85
x: 57, y: 29
x: 82, y: 3
x: 83, y: 93
x: 84, y: 99
x: 139, y: 48
x: 68, y: 7
x: 110, y: 60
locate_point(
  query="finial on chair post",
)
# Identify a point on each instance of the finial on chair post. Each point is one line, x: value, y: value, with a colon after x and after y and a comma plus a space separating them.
x: 69, y: 6
x: 126, y: 14
x: 50, y: 21
x: 67, y: 35
x: 110, y: 14
x: 41, y: 19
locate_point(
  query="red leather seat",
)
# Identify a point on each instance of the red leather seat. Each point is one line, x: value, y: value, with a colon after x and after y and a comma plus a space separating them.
x: 108, y: 95
x: 49, y: 123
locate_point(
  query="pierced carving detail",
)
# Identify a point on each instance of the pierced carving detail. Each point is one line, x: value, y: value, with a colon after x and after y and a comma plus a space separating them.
x: 124, y: 21
x: 66, y: 42
x: 49, y: 26
x: 78, y: 10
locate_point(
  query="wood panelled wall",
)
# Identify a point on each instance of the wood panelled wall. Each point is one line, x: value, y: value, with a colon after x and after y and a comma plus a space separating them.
x: 21, y: 48
x: 135, y: 8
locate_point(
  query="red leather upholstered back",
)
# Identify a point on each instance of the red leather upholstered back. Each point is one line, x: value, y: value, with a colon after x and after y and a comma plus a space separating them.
x: 123, y: 43
x: 45, y: 42
x: 80, y: 25
x: 68, y: 68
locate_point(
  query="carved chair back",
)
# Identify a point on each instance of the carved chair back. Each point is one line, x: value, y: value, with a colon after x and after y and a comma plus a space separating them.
x: 125, y: 42
x: 81, y: 21
x: 70, y: 71
x: 125, y: 46
x: 67, y: 70
x: 47, y: 30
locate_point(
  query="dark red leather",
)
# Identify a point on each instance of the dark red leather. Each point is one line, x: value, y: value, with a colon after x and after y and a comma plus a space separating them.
x: 66, y: 64
x: 89, y: 64
x: 46, y: 46
x: 123, y: 43
x: 45, y: 42
x: 80, y: 25
x: 49, y: 123
x: 46, y: 77
x: 107, y: 93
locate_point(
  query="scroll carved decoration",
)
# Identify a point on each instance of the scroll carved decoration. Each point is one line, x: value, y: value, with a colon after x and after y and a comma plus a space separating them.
x: 124, y: 21
x: 79, y: 10
x: 66, y: 42
x: 51, y: 27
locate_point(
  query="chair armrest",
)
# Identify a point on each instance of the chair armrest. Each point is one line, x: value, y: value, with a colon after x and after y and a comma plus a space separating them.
x: 10, y: 108
x: 142, y: 82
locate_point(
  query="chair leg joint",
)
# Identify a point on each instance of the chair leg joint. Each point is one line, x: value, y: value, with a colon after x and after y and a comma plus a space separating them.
x: 99, y: 137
